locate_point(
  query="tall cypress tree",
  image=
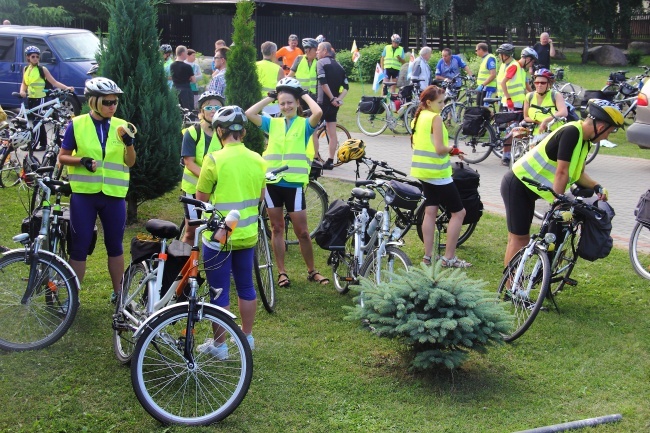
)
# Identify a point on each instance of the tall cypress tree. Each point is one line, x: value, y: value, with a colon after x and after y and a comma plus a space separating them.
x: 132, y: 59
x: 243, y: 87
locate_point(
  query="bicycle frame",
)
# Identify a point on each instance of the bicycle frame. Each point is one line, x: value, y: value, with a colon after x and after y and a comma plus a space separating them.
x: 23, y: 114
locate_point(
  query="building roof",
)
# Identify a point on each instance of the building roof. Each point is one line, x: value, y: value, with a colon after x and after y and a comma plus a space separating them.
x: 376, y: 6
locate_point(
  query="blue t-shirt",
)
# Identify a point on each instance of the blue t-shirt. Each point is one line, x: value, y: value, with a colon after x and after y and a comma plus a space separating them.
x: 309, y: 131
x: 492, y: 64
x: 452, y: 69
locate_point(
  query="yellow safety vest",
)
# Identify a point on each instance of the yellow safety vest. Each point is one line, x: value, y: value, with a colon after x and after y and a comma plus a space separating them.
x: 426, y: 163
x: 537, y: 114
x: 536, y: 164
x: 288, y: 148
x: 484, y: 72
x: 35, y: 84
x: 188, y: 184
x: 267, y: 73
x: 391, y: 59
x: 112, y: 175
x: 516, y: 85
x: 240, y: 179
x: 307, y: 74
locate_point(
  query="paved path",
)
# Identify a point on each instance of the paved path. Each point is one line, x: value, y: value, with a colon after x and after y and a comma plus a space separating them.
x: 625, y: 178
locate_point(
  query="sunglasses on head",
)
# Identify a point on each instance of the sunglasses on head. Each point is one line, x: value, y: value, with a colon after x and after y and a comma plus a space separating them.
x: 211, y: 107
x: 106, y: 103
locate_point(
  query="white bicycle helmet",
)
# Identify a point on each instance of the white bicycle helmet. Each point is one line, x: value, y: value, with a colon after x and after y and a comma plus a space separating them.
x: 211, y: 95
x: 320, y: 38
x: 93, y: 69
x: 101, y: 86
x: 396, y: 38
x: 20, y: 138
x: 32, y: 50
x: 229, y: 117
x: 166, y: 48
x: 289, y: 84
x: 530, y: 53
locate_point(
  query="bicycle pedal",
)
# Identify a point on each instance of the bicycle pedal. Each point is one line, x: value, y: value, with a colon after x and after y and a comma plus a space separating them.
x: 119, y: 324
x: 570, y: 282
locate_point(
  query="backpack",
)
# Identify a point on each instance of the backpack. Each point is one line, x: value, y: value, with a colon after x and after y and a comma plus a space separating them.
x: 571, y: 116
x: 333, y: 230
x: 595, y: 235
x: 42, y: 74
x: 467, y: 181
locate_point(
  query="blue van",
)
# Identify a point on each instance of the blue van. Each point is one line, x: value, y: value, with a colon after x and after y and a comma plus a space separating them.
x: 67, y: 53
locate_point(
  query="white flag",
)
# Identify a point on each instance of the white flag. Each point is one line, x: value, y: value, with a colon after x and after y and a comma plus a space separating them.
x: 379, y: 76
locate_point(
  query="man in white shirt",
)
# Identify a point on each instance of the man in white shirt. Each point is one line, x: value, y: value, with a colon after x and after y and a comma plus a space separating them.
x: 421, y: 69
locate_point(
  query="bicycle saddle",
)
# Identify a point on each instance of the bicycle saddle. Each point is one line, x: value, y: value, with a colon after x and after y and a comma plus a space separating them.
x: 162, y: 229
x: 363, y: 194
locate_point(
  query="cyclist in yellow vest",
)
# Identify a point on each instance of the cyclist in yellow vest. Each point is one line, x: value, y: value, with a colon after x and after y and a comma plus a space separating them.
x: 513, y: 83
x: 486, y: 79
x: 198, y: 141
x: 304, y: 68
x: 269, y: 72
x: 232, y: 178
x: 392, y: 59
x: 558, y: 161
x: 432, y: 167
x: 98, y: 150
x: 33, y: 86
x: 289, y: 144
x: 545, y: 97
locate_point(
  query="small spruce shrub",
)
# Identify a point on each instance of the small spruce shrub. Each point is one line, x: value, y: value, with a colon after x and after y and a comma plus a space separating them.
x: 441, y: 314
x: 634, y: 57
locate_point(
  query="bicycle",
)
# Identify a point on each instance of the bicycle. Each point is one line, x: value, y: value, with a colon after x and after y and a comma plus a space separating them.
x: 375, y: 114
x: 39, y: 290
x: 522, y: 136
x: 549, y: 258
x: 342, y: 135
x: 567, y: 89
x: 157, y: 333
x: 639, y: 246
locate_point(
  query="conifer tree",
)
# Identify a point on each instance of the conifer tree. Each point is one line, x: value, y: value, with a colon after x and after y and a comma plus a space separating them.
x: 132, y: 59
x: 243, y: 87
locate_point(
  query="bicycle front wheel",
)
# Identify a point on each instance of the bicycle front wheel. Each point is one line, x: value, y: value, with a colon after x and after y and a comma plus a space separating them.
x: 317, y: 202
x: 9, y: 168
x: 342, y: 135
x: 344, y: 266
x: 640, y: 249
x: 475, y: 147
x: 380, y: 272
x: 39, y: 299
x: 562, y: 263
x: 129, y: 314
x: 198, y: 391
x: 595, y: 147
x: 523, y: 296
x: 373, y: 124
x: 409, y: 115
x: 263, y: 266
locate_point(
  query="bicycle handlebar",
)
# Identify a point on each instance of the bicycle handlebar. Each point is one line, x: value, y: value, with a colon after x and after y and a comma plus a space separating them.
x: 563, y: 198
x: 207, y: 207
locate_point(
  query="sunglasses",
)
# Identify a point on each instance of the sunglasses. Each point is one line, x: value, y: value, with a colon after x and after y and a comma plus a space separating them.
x: 614, y: 131
x: 35, y: 56
x: 211, y: 107
x: 106, y: 103
x: 538, y: 83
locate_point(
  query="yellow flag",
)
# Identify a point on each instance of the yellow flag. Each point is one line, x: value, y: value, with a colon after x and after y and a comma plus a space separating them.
x: 355, y: 51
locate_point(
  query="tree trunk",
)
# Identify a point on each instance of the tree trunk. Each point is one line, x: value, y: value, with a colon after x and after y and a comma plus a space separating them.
x: 131, y: 210
x: 452, y: 17
x: 423, y: 20
x: 585, y: 49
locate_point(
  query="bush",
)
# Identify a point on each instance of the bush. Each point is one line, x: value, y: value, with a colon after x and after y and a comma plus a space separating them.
x: 634, y: 57
x: 440, y: 314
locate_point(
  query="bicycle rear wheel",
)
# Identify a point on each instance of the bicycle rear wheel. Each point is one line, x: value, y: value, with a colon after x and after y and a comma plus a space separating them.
x: 264, y: 276
x: 123, y: 326
x: 373, y: 124
x: 39, y: 299
x: 9, y: 168
x: 200, y: 391
x: 342, y: 135
x: 317, y: 202
x: 394, y: 260
x: 639, y: 249
x: 524, y: 296
x: 475, y: 147
x: 595, y: 147
x: 344, y: 266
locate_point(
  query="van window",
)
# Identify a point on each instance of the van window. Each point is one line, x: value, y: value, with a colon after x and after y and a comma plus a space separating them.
x: 37, y: 42
x: 76, y: 46
x: 7, y: 49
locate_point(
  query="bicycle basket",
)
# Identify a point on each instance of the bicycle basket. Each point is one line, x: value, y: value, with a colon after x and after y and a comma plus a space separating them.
x: 371, y: 105
x: 617, y: 77
x: 507, y: 117
x: 628, y: 90
x: 402, y: 195
x: 642, y: 211
x: 144, y: 246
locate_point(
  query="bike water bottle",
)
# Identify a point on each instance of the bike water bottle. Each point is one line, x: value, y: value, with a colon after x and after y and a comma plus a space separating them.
x: 374, y: 222
x: 231, y: 220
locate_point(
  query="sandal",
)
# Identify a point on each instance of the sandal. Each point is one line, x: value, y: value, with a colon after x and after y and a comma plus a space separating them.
x: 426, y: 260
x: 311, y: 276
x: 283, y: 282
x: 454, y: 262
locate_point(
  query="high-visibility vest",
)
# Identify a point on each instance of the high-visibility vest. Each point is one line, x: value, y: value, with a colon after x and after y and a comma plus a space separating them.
x: 391, y: 59
x: 484, y: 72
x: 188, y: 184
x: 288, y: 148
x: 535, y: 164
x: 307, y: 74
x: 35, y: 83
x: 516, y: 85
x: 112, y: 175
x: 240, y: 175
x: 267, y: 72
x: 426, y: 163
x: 536, y: 114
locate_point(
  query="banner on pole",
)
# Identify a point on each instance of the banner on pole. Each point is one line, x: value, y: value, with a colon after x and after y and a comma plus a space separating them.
x: 379, y: 76
x: 355, y: 51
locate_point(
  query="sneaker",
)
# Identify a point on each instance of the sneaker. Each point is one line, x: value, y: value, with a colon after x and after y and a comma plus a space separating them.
x: 329, y: 165
x: 220, y: 352
x: 113, y: 298
x: 251, y: 341
x: 505, y: 162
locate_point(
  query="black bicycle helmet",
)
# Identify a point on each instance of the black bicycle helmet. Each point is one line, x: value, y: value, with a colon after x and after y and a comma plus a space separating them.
x: 166, y: 48
x: 211, y: 95
x: 309, y: 43
x: 32, y: 50
x: 508, y: 49
x: 229, y: 117
x: 599, y: 109
x: 101, y: 86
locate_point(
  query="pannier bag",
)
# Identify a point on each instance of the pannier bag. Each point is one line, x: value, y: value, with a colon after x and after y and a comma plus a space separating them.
x: 642, y: 211
x: 473, y: 121
x: 594, y: 94
x: 371, y: 105
x: 144, y: 247
x: 333, y: 230
x: 406, y: 92
x: 507, y: 117
x: 628, y: 90
x: 467, y: 181
x: 595, y: 236
x: 33, y: 225
x: 402, y: 195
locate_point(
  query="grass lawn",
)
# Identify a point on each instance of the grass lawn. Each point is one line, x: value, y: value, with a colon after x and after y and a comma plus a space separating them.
x: 589, y: 76
x: 316, y: 372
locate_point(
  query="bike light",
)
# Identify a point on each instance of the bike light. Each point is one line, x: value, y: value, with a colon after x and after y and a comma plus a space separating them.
x: 642, y: 100
x: 549, y: 238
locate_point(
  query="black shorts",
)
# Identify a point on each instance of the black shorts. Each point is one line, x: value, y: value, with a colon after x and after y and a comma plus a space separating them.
x: 447, y: 195
x: 519, y: 201
x: 293, y: 199
x: 329, y: 112
x: 392, y: 73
